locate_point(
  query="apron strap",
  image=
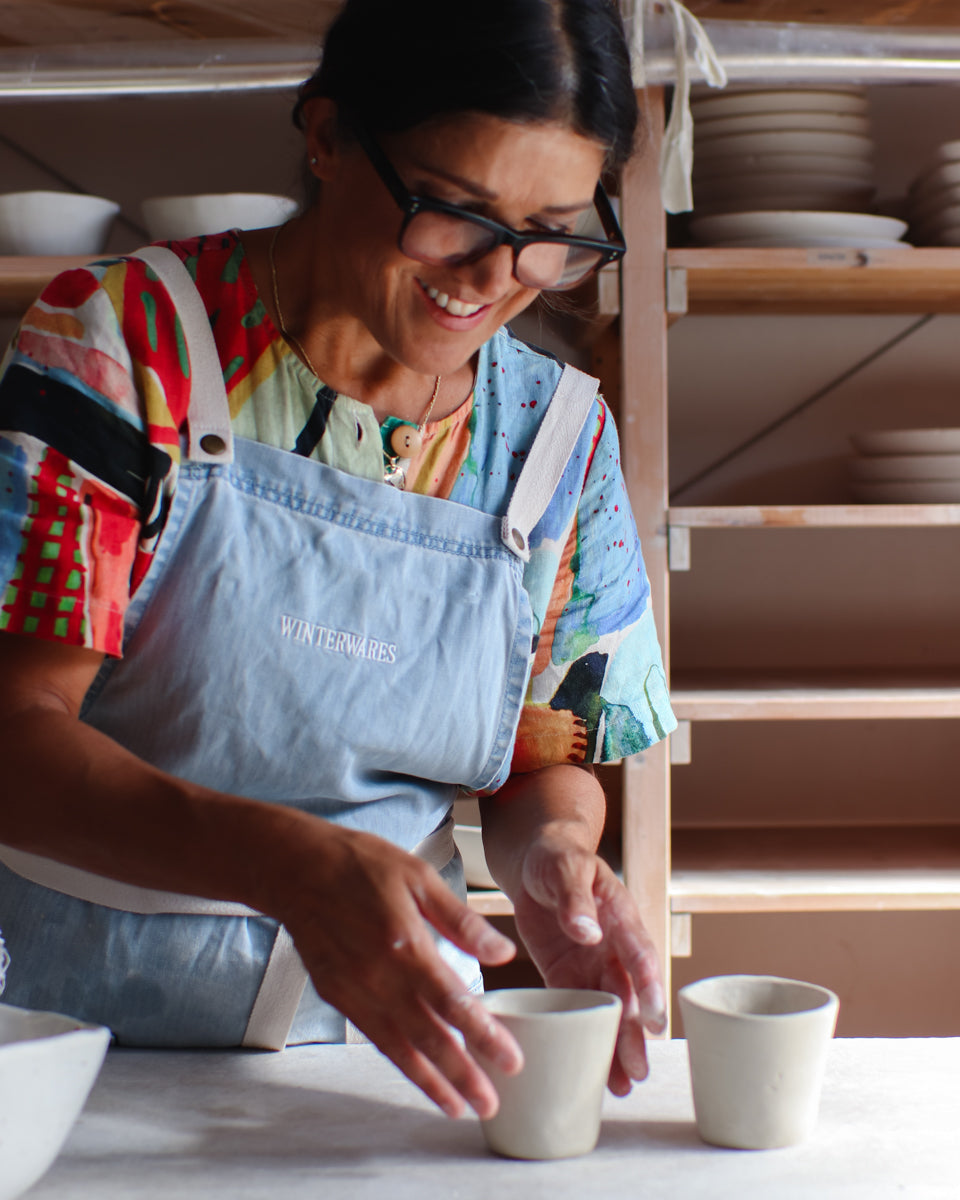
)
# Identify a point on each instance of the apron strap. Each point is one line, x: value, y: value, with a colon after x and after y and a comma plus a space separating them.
x: 208, y: 421
x: 551, y: 450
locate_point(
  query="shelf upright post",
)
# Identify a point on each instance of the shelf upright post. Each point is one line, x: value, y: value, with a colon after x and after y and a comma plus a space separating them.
x: 643, y: 434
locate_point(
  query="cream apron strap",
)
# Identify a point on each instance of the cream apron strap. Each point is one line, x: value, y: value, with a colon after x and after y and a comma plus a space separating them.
x: 555, y: 441
x: 111, y: 893
x: 278, y: 999
x: 210, y: 435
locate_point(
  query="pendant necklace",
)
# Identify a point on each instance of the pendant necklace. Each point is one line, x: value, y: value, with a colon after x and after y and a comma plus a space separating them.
x: 402, y: 440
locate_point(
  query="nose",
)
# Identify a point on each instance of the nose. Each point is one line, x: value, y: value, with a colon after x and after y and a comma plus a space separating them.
x: 491, y: 275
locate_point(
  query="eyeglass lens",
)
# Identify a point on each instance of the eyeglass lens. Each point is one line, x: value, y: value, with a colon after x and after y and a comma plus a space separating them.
x: 442, y: 239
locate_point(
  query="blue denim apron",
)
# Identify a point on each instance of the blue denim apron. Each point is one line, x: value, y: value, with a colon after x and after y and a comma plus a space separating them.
x: 303, y: 637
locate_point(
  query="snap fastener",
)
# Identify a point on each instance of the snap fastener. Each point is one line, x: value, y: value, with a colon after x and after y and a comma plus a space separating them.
x: 213, y: 443
x: 518, y: 539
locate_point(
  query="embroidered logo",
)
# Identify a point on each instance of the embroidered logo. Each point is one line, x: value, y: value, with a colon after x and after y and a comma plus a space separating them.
x: 337, y: 641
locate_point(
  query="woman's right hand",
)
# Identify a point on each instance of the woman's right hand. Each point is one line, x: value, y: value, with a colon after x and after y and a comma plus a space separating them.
x: 360, y: 912
x: 358, y: 908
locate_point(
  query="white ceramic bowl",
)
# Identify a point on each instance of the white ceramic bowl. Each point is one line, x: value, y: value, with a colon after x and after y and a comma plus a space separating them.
x: 48, y: 1064
x: 174, y: 218
x: 54, y: 223
x: 469, y: 839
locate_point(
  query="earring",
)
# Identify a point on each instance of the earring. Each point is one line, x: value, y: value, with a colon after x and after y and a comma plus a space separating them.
x: 313, y: 161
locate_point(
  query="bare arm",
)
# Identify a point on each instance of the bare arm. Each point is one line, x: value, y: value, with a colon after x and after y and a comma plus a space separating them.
x: 579, y: 922
x: 75, y: 795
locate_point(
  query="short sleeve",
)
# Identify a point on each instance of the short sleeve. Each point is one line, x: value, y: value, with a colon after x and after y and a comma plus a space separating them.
x: 87, y: 442
x: 598, y: 690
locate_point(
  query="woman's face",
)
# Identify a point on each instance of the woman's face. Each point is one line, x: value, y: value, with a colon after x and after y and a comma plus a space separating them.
x: 433, y: 318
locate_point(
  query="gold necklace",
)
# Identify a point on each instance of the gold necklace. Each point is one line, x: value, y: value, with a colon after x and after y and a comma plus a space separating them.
x: 402, y: 440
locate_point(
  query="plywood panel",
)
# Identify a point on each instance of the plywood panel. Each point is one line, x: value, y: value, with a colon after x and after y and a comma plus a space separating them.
x: 837, y: 12
x: 66, y: 22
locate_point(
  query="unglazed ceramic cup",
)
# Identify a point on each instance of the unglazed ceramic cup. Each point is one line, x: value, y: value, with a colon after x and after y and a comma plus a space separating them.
x: 551, y: 1109
x: 758, y: 1049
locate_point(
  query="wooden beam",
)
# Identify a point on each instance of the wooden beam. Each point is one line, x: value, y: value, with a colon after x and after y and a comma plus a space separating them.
x: 916, y: 13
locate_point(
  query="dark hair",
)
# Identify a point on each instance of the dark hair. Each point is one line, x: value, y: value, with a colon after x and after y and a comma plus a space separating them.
x: 397, y: 63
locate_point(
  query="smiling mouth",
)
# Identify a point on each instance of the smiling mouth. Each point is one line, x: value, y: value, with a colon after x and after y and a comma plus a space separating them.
x: 456, y: 308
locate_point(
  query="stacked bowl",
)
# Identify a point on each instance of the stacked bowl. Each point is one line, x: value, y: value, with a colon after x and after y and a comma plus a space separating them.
x: 803, y: 154
x: 906, y: 466
x: 933, y: 202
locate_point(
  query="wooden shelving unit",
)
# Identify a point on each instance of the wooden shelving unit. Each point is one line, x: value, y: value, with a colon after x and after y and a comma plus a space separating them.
x: 912, y: 280
x: 827, y: 869
x: 22, y: 279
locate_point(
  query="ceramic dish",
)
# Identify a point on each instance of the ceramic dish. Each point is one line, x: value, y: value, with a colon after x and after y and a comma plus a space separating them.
x: 707, y: 206
x: 48, y: 1064
x: 762, y: 122
x: 173, y: 218
x: 902, y: 467
x: 796, y: 225
x: 907, y: 491
x: 925, y: 205
x: 948, y: 152
x: 935, y: 179
x: 769, y: 100
x: 907, y: 441
x: 845, y: 145
x: 770, y: 185
x: 827, y: 243
x: 54, y: 223
x: 806, y: 166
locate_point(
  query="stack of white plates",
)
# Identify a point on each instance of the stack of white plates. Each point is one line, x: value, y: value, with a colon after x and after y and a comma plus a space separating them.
x: 933, y: 203
x: 791, y: 149
x: 767, y: 228
x: 906, y: 466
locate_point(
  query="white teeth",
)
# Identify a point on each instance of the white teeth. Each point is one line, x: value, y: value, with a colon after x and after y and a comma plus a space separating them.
x: 456, y: 308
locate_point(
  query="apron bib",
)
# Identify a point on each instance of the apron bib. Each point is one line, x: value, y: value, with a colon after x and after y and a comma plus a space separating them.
x: 302, y: 637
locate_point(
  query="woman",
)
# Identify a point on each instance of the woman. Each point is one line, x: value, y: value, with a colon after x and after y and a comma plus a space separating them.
x: 244, y: 677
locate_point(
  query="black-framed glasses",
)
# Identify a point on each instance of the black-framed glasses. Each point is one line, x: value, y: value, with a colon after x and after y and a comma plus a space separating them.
x: 444, y: 235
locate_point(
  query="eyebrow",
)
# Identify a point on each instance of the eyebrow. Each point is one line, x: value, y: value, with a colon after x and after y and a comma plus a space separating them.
x: 482, y: 193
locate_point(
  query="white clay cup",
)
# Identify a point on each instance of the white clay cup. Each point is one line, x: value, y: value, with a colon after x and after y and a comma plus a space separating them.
x: 552, y: 1108
x: 758, y: 1048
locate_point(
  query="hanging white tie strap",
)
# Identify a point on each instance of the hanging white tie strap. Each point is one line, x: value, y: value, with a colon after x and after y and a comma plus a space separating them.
x: 4, y: 963
x: 676, y: 151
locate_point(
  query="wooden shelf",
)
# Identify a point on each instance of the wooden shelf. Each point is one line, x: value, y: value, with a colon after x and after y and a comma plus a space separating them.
x: 813, y: 516
x: 840, y: 869
x: 817, y: 281
x: 815, y: 696
x: 490, y: 903
x: 22, y: 279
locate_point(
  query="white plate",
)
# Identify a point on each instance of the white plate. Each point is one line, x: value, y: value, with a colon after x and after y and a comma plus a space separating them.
x: 908, y: 491
x: 934, y: 179
x: 796, y: 141
x: 918, y: 208
x: 766, y: 100
x: 949, y: 236
x: 811, y: 242
x: 948, y: 152
x: 771, y: 185
x: 835, y: 166
x: 907, y: 441
x: 763, y: 122
x: 795, y: 202
x: 785, y: 224
x: 901, y: 467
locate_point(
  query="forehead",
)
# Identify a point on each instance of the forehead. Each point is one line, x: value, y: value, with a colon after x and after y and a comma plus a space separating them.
x: 512, y: 161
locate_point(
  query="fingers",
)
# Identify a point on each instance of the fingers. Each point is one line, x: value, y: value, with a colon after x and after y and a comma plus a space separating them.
x: 629, y: 942
x: 564, y: 882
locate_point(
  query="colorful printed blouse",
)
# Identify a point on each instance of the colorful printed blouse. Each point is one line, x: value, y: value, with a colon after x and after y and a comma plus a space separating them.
x: 93, y: 397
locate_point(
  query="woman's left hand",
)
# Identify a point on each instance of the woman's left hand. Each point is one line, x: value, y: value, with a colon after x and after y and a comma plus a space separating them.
x: 582, y: 929
x: 579, y: 923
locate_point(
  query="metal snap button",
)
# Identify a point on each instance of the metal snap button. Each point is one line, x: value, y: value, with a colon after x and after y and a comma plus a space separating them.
x: 213, y: 443
x: 518, y: 539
